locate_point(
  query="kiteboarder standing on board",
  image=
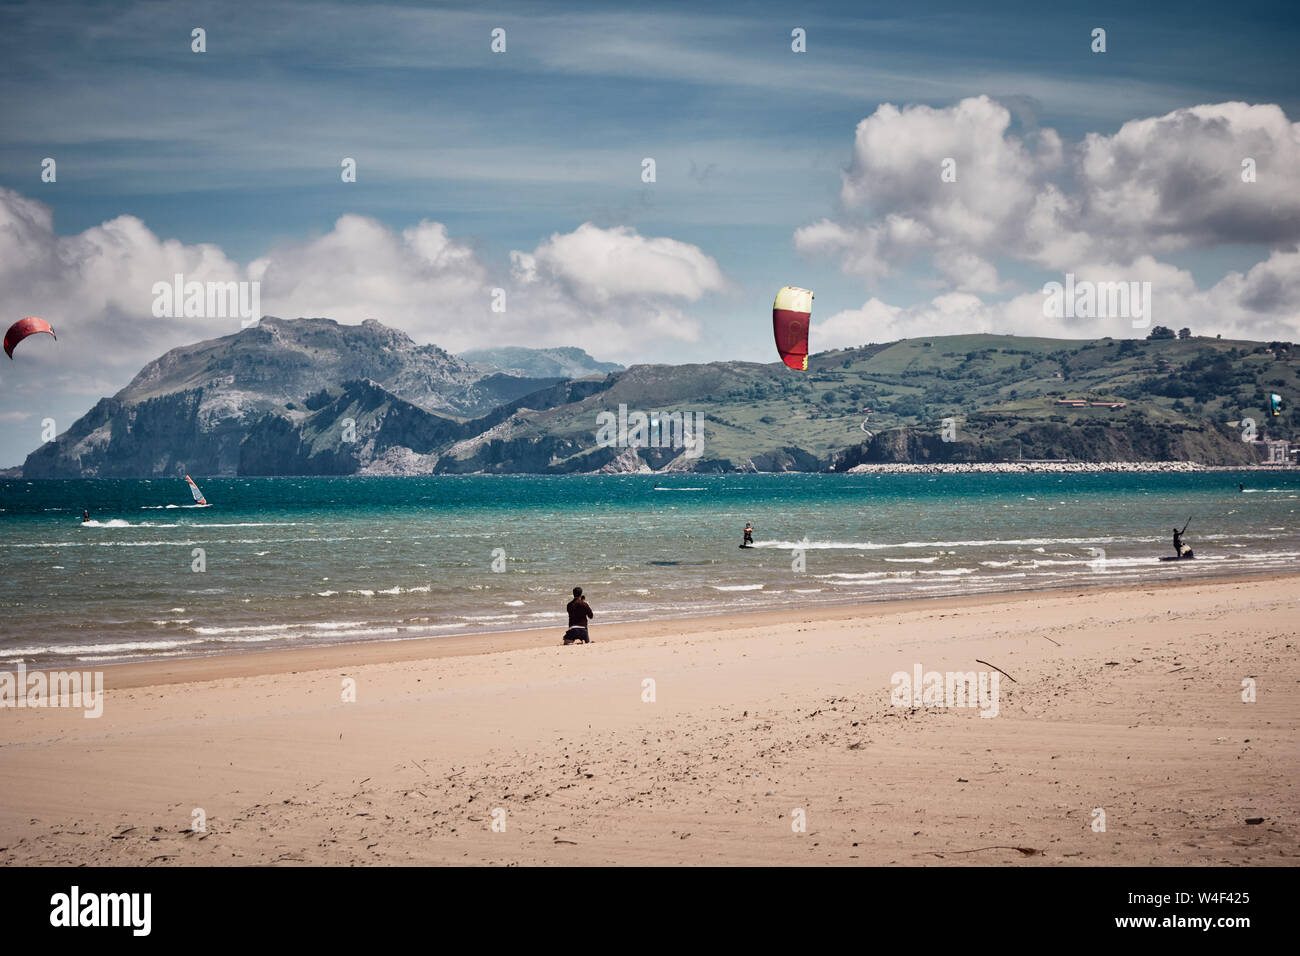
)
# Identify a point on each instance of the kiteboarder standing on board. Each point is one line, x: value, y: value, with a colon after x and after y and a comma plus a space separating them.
x: 85, y: 515
x: 1178, y: 539
x: 579, y: 611
x: 749, y: 534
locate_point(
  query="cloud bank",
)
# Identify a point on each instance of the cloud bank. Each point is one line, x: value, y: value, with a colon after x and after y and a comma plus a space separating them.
x: 611, y: 285
x: 1106, y: 209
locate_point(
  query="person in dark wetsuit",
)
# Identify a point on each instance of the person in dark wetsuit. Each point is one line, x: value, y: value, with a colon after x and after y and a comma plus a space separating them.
x: 749, y: 534
x: 1178, y: 542
x: 579, y: 612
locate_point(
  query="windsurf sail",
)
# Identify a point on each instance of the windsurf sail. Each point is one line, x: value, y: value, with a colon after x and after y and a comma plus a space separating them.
x: 194, y: 490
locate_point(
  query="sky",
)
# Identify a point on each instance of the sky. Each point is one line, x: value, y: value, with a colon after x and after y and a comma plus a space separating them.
x: 518, y: 179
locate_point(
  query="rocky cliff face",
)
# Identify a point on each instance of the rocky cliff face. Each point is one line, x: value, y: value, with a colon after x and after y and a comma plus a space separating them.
x: 195, y: 407
x: 347, y: 430
x: 1134, y: 441
x: 362, y: 428
x: 163, y: 435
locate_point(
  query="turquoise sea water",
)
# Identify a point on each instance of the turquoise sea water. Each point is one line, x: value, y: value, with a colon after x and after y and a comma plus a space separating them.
x: 294, y: 561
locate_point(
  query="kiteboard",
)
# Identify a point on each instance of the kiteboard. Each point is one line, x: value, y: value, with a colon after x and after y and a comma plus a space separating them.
x: 1185, y: 556
x: 744, y: 546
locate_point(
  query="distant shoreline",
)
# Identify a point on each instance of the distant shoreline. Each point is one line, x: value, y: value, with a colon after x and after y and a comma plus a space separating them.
x: 889, y: 468
x: 1052, y: 467
x: 218, y: 665
x: 234, y: 664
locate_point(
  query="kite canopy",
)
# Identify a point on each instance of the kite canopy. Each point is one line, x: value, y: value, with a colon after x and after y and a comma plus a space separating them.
x: 23, y: 328
x: 790, y: 314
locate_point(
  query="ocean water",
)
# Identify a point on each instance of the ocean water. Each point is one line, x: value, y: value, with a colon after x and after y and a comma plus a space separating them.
x: 311, y: 561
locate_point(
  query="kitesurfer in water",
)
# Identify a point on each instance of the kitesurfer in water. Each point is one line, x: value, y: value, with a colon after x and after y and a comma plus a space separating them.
x: 1178, y: 542
x: 749, y: 534
x: 579, y: 612
x: 85, y: 515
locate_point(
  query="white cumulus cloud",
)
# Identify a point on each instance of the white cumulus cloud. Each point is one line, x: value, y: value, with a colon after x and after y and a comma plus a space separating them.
x: 1156, y: 185
x: 1262, y: 303
x: 1104, y: 208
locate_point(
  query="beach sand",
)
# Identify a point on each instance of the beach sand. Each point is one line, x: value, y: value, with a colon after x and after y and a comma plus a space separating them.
x: 1126, y: 700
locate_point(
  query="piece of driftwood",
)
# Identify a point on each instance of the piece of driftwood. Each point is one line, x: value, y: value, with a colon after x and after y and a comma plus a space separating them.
x: 998, y: 669
x: 1026, y: 850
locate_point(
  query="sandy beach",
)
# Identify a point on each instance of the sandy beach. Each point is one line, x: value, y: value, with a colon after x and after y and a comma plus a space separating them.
x: 1127, y: 701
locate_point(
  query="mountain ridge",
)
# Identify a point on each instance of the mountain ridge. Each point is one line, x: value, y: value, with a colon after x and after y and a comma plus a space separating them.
x: 311, y: 396
x: 556, y: 362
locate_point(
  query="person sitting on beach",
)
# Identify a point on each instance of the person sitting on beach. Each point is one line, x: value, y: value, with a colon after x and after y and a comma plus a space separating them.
x: 749, y: 533
x: 579, y: 611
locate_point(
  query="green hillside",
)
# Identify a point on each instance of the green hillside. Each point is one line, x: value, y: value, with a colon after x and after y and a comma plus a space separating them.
x: 1179, y: 396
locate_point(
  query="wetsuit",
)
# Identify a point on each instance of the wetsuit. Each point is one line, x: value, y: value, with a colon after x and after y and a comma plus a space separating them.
x: 1178, y: 543
x: 749, y: 536
x: 579, y: 611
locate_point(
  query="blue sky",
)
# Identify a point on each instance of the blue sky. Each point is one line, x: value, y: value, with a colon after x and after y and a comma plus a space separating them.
x: 239, y: 147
